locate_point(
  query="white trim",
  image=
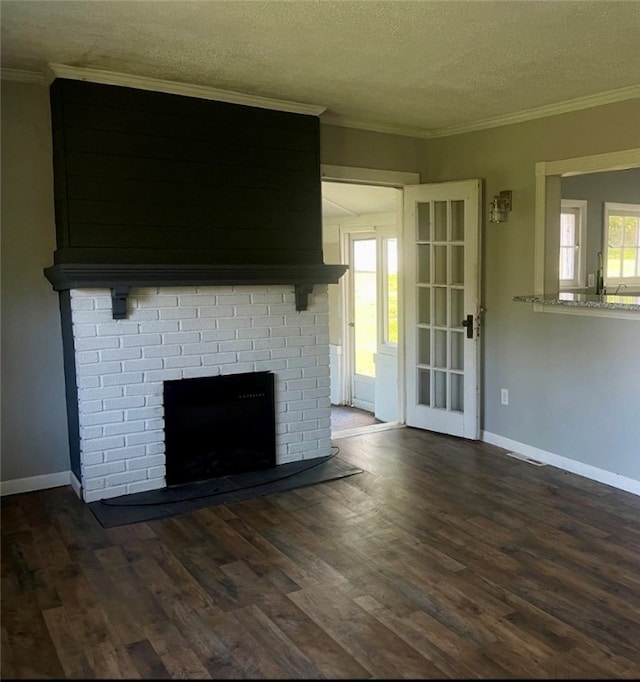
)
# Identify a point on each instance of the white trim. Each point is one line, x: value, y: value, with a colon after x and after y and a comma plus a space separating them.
x: 362, y: 223
x: 177, y: 88
x: 27, y: 485
x: 368, y: 176
x: 206, y: 92
x: 387, y: 128
x: 595, y: 163
x: 388, y: 178
x: 625, y: 483
x: 22, y: 76
x: 364, y: 430
x: 77, y: 486
x: 607, y: 97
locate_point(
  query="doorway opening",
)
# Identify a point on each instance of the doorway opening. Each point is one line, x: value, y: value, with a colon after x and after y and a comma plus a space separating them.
x: 361, y: 224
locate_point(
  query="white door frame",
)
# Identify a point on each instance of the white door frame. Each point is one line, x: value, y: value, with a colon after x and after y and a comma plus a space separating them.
x: 383, y: 178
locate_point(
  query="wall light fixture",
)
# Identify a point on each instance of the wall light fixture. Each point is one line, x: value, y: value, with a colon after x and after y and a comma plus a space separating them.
x: 500, y: 207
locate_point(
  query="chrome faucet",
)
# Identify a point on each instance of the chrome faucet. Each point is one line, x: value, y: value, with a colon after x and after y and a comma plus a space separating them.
x: 621, y: 285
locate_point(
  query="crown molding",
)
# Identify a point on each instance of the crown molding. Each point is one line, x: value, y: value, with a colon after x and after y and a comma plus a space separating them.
x: 22, y: 76
x: 390, y: 129
x: 609, y: 97
x: 177, y: 88
x: 205, y: 92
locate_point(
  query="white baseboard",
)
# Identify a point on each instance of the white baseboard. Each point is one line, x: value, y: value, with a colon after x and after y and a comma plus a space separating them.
x: 27, y: 485
x: 629, y: 485
x: 76, y: 485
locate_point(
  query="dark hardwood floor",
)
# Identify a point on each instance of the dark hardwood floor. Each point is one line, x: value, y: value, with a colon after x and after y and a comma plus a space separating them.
x: 444, y: 559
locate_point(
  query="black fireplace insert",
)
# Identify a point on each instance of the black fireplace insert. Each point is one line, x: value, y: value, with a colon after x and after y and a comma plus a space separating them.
x: 217, y: 426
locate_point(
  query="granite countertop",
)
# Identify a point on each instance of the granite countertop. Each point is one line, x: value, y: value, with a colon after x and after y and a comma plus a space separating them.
x: 605, y: 301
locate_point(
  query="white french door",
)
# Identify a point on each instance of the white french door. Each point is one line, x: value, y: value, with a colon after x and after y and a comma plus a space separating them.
x: 441, y: 257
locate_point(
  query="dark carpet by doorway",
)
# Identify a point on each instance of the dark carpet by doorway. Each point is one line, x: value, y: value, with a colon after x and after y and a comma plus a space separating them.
x: 157, y: 504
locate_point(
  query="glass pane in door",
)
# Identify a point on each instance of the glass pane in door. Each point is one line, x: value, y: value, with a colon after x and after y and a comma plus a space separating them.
x: 440, y: 302
x: 391, y: 316
x: 364, y: 277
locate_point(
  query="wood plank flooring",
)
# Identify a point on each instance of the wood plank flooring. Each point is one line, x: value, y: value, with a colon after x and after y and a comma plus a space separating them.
x: 444, y: 559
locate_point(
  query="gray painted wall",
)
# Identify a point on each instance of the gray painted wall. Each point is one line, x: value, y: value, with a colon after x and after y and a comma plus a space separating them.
x: 595, y: 188
x: 570, y: 395
x: 573, y: 380
x: 34, y: 417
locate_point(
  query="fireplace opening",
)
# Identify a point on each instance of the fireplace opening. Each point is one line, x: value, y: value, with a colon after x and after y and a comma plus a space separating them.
x: 218, y: 426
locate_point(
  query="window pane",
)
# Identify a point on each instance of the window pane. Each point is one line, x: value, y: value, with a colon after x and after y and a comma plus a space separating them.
x: 567, y: 263
x: 440, y: 265
x: 457, y: 392
x: 440, y: 220
x: 424, y: 392
x: 615, y: 230
x: 569, y: 243
x: 457, y: 221
x: 623, y: 241
x: 567, y: 229
x: 440, y: 348
x: 629, y: 262
x: 424, y: 222
x: 440, y: 389
x: 364, y: 274
x: 630, y: 231
x: 424, y: 346
x: 392, y: 291
x: 614, y: 263
x: 440, y: 306
x: 424, y: 305
x: 422, y: 254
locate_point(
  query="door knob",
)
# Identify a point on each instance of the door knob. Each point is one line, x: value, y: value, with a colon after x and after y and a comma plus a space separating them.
x: 468, y: 323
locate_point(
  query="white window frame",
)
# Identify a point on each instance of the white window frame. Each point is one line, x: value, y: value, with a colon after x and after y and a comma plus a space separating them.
x: 579, y: 208
x: 616, y: 208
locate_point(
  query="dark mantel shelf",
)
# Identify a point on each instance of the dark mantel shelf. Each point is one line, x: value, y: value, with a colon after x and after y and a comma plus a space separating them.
x: 120, y: 278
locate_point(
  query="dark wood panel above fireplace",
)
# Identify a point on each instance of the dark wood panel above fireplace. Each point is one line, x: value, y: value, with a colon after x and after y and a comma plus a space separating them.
x: 140, y: 175
x: 156, y: 189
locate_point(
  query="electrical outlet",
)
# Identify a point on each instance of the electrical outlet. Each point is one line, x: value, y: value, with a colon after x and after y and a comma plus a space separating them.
x: 504, y: 396
x: 591, y: 280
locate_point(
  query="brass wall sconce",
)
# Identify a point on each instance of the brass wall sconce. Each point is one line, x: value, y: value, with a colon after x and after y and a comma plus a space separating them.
x: 500, y: 207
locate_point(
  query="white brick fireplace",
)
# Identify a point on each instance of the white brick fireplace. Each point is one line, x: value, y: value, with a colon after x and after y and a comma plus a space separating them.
x: 184, y: 332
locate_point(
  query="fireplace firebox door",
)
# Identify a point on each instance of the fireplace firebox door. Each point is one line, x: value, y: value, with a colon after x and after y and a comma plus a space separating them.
x: 217, y: 426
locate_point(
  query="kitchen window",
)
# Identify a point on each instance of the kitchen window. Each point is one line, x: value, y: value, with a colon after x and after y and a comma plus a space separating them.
x: 622, y: 244
x: 573, y: 220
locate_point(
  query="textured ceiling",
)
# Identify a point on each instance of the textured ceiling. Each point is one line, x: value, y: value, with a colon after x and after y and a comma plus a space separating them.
x: 424, y: 65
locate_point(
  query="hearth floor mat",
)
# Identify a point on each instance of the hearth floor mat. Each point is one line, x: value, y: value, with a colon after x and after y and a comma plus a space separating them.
x: 158, y: 504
